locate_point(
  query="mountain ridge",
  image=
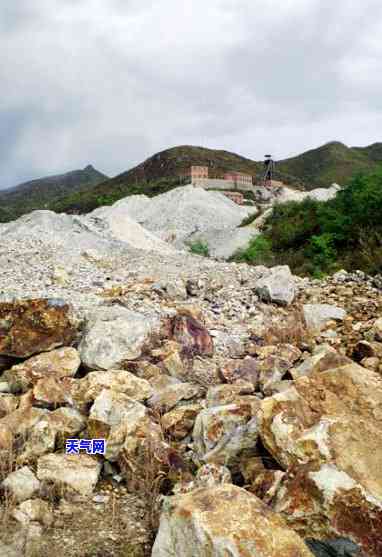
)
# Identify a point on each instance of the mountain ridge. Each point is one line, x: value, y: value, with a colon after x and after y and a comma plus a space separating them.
x: 318, y: 167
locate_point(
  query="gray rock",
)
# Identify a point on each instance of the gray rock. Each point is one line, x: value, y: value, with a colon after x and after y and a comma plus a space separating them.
x: 277, y: 286
x: 316, y: 315
x: 113, y: 335
x: 22, y: 484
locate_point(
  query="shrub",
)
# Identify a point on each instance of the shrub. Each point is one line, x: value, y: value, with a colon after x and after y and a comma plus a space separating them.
x: 259, y: 252
x: 199, y: 248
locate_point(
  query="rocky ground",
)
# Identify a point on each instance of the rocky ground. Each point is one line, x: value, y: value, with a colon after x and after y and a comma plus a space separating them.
x: 241, y: 406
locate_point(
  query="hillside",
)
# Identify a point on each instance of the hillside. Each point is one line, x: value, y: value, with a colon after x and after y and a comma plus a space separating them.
x: 83, y: 191
x: 333, y: 162
x: 42, y: 192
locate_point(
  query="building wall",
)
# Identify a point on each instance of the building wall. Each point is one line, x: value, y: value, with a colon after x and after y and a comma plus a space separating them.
x: 198, y: 172
x: 218, y: 184
x: 238, y: 177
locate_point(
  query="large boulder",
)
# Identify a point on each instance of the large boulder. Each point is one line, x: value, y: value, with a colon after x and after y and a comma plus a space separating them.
x: 28, y: 327
x: 114, y: 335
x: 59, y: 363
x: 22, y: 484
x: 88, y: 388
x: 326, y: 432
x: 221, y: 433
x: 76, y: 472
x: 108, y: 413
x: 324, y: 357
x: 221, y: 521
x: 317, y: 315
x: 277, y: 286
x: 168, y: 392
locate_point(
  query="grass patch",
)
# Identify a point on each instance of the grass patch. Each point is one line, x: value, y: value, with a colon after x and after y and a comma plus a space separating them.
x: 199, y: 248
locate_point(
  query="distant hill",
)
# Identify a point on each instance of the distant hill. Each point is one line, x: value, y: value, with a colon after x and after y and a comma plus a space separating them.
x: 84, y: 190
x: 42, y: 192
x: 333, y: 162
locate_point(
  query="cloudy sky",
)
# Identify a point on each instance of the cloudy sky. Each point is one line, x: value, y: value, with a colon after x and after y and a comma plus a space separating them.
x: 110, y: 82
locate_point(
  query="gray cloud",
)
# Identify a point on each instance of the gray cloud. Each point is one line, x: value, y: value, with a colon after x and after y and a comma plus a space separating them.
x: 110, y: 83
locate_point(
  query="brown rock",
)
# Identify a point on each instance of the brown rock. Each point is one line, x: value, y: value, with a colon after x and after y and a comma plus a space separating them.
x: 324, y: 357
x: 28, y: 327
x: 326, y: 431
x: 192, y: 335
x: 8, y: 403
x: 221, y: 521
x: 238, y: 371
x: 225, y: 394
x: 63, y: 362
x: 180, y: 421
x: 266, y: 484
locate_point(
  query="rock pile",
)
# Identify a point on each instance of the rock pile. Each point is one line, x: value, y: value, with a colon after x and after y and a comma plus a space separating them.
x: 247, y: 402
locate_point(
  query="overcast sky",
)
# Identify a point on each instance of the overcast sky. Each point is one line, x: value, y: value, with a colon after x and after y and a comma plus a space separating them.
x: 111, y: 82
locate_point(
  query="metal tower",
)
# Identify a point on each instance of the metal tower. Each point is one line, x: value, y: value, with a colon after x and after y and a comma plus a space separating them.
x: 269, y: 168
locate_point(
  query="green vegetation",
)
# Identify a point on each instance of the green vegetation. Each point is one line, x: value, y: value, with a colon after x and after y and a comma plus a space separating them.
x: 315, y: 238
x: 259, y: 252
x: 199, y: 248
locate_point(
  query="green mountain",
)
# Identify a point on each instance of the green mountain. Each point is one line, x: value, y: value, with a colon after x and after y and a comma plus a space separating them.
x: 43, y: 192
x: 84, y: 190
x: 333, y: 162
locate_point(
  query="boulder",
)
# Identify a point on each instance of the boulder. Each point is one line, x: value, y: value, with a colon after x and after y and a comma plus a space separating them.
x: 114, y: 335
x: 220, y: 521
x: 192, y: 335
x: 88, y: 388
x: 377, y: 329
x: 77, y: 472
x: 52, y: 391
x: 317, y: 315
x: 326, y: 432
x: 59, y: 363
x: 33, y: 510
x: 29, y: 327
x: 277, y: 286
x: 67, y: 422
x: 180, y: 421
x: 266, y: 484
x: 240, y: 371
x: 219, y: 395
x: 167, y: 394
x: 19, y: 423
x: 8, y: 403
x: 22, y: 484
x: 109, y: 411
x: 209, y: 475
x: 221, y: 433
x: 324, y: 357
